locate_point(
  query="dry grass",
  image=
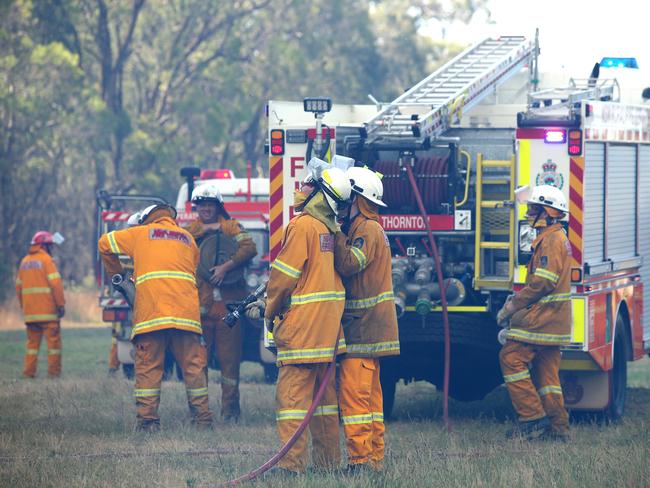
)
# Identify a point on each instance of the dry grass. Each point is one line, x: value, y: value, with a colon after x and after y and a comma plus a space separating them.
x: 77, y: 431
x: 82, y: 310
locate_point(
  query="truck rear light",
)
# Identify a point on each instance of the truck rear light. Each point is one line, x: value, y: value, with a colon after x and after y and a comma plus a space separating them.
x: 576, y: 275
x: 114, y: 314
x: 575, y: 142
x: 277, y: 142
x: 555, y: 136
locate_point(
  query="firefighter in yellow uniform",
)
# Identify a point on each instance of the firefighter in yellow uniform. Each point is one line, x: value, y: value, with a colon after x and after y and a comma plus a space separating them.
x: 222, y: 341
x: 539, y: 318
x: 40, y: 293
x: 166, y: 310
x: 363, y: 259
x: 305, y: 301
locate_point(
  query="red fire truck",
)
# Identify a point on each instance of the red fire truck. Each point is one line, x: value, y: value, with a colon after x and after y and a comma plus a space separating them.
x: 461, y: 141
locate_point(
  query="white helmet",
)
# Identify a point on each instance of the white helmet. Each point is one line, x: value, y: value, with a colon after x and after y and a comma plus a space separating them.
x: 549, y: 196
x: 367, y: 183
x: 144, y: 215
x: 134, y: 219
x: 207, y: 193
x: 336, y: 188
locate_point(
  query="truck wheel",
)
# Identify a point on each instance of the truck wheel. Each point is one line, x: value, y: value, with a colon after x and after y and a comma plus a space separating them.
x: 388, y: 387
x: 129, y: 371
x: 618, y: 375
x: 270, y: 373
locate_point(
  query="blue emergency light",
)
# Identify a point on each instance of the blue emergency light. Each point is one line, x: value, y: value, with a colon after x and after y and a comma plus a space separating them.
x: 610, y: 62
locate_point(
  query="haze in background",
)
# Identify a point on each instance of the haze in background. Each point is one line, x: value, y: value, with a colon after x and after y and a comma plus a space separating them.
x: 574, y: 34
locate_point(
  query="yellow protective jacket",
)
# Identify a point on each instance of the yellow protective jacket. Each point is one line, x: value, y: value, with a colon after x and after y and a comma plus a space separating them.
x: 165, y: 258
x: 306, y: 294
x: 543, y: 307
x: 246, y: 250
x: 364, y: 261
x: 39, y: 287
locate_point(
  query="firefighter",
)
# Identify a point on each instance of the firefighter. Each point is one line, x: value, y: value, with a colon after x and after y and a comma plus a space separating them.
x: 363, y: 259
x: 223, y: 342
x: 166, y: 310
x: 305, y: 301
x: 40, y: 293
x: 539, y: 319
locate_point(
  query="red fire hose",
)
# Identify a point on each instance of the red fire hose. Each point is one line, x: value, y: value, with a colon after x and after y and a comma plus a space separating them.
x: 301, y: 428
x: 443, y: 297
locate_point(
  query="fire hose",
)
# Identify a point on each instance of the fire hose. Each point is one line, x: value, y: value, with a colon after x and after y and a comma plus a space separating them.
x: 443, y: 297
x: 301, y: 428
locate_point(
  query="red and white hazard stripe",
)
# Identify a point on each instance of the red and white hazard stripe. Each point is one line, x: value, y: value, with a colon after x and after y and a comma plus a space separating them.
x: 115, y: 216
x: 113, y: 302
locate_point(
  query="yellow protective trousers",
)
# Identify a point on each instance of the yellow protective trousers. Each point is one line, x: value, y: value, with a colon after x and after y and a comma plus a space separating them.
x: 52, y: 333
x: 149, y: 364
x: 297, y: 385
x: 226, y: 343
x: 532, y: 375
x: 113, y: 362
x: 362, y: 410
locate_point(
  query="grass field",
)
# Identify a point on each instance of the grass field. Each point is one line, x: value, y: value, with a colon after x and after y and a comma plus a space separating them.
x: 77, y: 431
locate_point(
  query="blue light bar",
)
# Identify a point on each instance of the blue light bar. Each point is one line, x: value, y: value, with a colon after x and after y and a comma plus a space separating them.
x: 611, y: 62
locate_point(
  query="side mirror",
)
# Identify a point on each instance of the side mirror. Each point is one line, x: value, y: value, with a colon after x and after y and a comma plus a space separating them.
x: 190, y: 173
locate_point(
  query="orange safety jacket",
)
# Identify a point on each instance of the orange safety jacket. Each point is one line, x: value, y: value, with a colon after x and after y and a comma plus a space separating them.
x: 543, y: 307
x: 246, y: 250
x: 165, y: 258
x: 364, y: 261
x: 306, y: 294
x: 39, y: 287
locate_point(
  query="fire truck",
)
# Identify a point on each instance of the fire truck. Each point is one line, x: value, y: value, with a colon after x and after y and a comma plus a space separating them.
x: 452, y: 150
x: 247, y: 200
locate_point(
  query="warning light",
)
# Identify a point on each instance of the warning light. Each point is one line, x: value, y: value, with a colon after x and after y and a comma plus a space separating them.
x: 317, y: 105
x: 217, y: 174
x: 576, y: 275
x: 575, y: 142
x: 555, y: 136
x: 277, y: 142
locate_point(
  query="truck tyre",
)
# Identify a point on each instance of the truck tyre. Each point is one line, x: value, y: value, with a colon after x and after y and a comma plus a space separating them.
x: 388, y: 387
x: 129, y: 371
x: 618, y: 374
x: 270, y: 373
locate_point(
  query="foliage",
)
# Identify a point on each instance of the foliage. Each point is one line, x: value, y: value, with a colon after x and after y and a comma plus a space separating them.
x: 119, y: 95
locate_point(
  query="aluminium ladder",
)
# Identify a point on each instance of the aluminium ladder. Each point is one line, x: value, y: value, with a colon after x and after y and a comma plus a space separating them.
x: 569, y: 97
x: 431, y: 106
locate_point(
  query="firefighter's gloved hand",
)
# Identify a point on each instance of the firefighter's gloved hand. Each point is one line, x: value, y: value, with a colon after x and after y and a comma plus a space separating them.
x: 255, y: 310
x: 60, y: 311
x: 503, y: 317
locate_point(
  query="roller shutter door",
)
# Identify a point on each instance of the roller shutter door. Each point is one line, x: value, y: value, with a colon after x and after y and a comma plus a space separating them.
x: 621, y: 202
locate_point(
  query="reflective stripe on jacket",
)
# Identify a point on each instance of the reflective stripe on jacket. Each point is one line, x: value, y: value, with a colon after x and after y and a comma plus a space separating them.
x: 306, y: 294
x: 543, y: 306
x: 364, y: 261
x: 246, y: 250
x: 164, y: 263
x: 39, y: 287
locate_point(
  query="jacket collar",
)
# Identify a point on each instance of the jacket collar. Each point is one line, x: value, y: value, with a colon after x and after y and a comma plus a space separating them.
x: 547, y: 231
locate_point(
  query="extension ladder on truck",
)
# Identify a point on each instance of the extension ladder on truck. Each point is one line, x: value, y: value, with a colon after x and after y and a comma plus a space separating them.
x: 427, y: 109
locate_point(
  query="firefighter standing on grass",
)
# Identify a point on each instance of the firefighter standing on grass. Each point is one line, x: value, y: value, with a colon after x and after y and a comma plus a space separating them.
x: 222, y: 341
x: 305, y: 301
x: 166, y: 310
x: 539, y: 318
x: 363, y: 259
x: 40, y: 294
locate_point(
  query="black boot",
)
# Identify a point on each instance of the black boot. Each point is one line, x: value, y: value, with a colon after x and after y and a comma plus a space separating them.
x: 529, y: 430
